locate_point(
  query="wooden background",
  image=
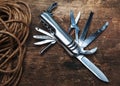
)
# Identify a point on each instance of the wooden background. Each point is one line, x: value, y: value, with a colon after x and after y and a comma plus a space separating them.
x: 56, y: 67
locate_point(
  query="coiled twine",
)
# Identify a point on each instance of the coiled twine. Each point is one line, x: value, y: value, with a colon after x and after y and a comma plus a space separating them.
x: 15, y: 18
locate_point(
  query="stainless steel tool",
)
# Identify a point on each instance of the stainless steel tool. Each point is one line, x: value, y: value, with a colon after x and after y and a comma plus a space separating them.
x: 74, y: 47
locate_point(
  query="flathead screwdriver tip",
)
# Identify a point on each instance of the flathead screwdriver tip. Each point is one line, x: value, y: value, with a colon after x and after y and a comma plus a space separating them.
x: 34, y: 36
x: 107, y: 23
x: 36, y: 28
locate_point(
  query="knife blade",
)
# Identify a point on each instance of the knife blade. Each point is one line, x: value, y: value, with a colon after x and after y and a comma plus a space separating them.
x: 94, y: 69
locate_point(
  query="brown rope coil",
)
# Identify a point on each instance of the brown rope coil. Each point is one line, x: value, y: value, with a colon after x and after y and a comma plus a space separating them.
x: 15, y: 17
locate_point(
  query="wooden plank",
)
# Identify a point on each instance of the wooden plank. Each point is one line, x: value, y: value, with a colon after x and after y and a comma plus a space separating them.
x: 56, y: 67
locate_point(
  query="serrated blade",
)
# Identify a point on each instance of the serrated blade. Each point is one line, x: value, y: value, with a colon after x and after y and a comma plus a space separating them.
x: 94, y: 69
x: 93, y: 36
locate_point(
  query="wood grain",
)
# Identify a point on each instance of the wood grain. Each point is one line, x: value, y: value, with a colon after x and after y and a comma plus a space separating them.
x: 56, y: 67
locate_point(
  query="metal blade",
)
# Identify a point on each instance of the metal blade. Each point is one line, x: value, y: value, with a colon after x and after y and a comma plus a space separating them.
x: 42, y: 37
x: 44, y: 42
x: 86, y: 52
x: 97, y: 72
x: 72, y: 18
x: 76, y: 21
x: 44, y: 49
x: 44, y: 32
x: 54, y: 5
x: 74, y: 26
x: 93, y: 36
x: 76, y: 33
x: 77, y: 18
x: 85, y: 30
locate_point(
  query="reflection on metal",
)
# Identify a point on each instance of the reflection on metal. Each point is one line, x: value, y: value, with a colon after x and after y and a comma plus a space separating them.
x: 75, y: 47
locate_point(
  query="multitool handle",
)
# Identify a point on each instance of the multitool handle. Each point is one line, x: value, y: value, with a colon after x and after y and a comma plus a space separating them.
x: 62, y: 37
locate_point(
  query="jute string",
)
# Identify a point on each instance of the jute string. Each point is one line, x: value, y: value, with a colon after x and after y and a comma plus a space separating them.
x: 15, y: 18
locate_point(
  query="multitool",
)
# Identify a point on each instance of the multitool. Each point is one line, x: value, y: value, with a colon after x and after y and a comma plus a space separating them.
x: 75, y: 47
